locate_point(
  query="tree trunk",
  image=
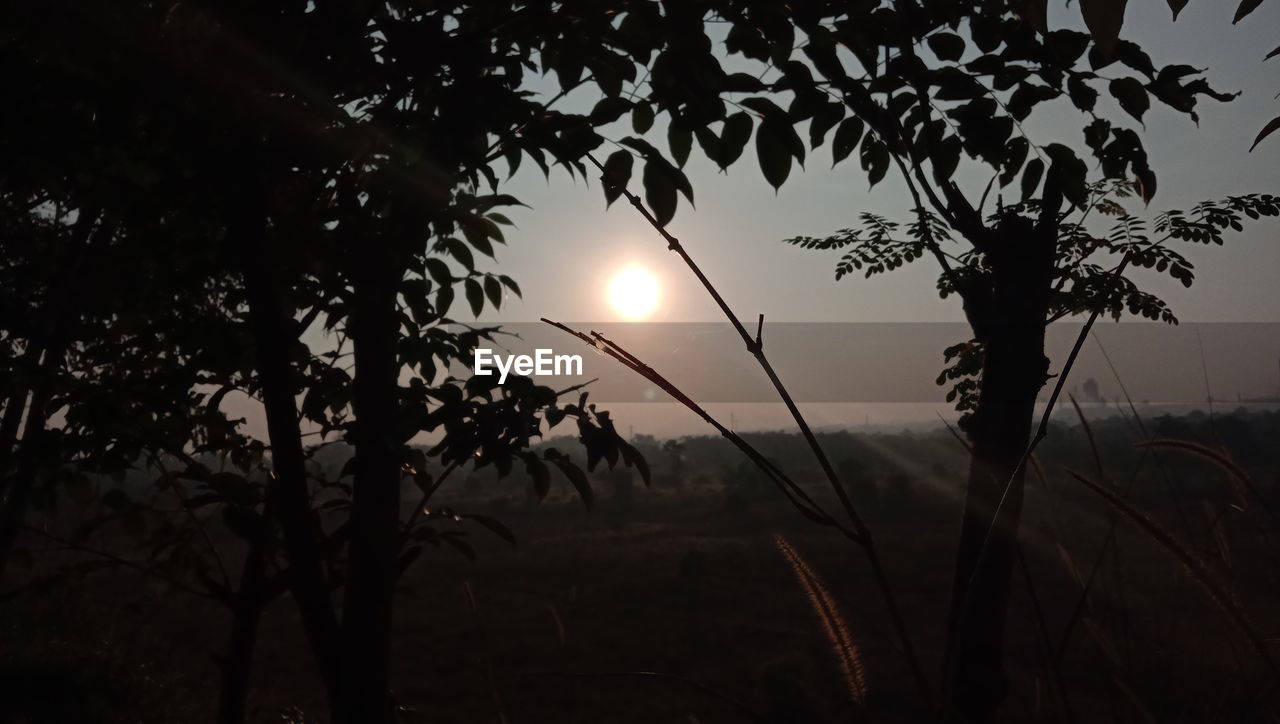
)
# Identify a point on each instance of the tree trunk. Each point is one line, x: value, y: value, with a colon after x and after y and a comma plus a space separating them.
x: 246, y: 611
x: 274, y: 333
x: 14, y: 406
x: 59, y: 317
x: 1011, y: 324
x: 375, y: 503
x: 18, y: 498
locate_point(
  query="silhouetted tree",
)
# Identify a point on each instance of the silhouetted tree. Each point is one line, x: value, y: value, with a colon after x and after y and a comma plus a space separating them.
x: 323, y: 160
x: 930, y: 89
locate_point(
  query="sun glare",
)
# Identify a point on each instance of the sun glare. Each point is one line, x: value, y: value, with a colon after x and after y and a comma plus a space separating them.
x: 633, y: 292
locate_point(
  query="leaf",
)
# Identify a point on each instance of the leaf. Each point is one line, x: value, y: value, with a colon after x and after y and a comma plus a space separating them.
x: 709, y: 142
x: 1146, y: 183
x: 1031, y: 178
x: 617, y: 172
x: 659, y: 189
x: 510, y: 283
x: 577, y: 478
x: 495, y: 526
x: 1104, y: 18
x: 460, y: 251
x: 1267, y: 130
x: 680, y: 140
x: 848, y: 133
x: 439, y: 271
x: 1083, y: 96
x: 475, y: 295
x: 947, y: 157
x: 1132, y: 96
x: 826, y: 116
x: 493, y: 290
x: 1070, y: 173
x: 634, y: 458
x: 444, y: 300
x: 1176, y: 6
x: 772, y: 152
x: 408, y: 556
x: 1015, y: 154
x: 948, y: 46
x: 1037, y: 13
x: 459, y: 545
x: 609, y: 110
x: 415, y: 293
x: 1244, y: 8
x: 538, y: 471
x: 765, y: 107
x: 734, y: 137
x: 642, y: 117
x: 875, y: 158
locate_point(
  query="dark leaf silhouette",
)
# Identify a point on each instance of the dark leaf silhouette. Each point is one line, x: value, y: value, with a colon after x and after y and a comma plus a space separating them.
x: 1104, y: 19
x: 1267, y: 130
x: 617, y: 172
x: 1244, y: 8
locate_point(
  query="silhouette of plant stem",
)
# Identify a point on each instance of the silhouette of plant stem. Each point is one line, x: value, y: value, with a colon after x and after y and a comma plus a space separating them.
x: 1241, y: 482
x: 755, y: 346
x: 1111, y: 546
x: 794, y: 493
x: 1142, y: 427
x: 1197, y: 568
x: 1053, y: 666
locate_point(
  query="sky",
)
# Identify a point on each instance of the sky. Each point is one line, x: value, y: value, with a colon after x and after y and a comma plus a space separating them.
x: 567, y: 246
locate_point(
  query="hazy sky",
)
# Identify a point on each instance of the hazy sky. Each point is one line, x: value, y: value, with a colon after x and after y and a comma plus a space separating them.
x: 566, y: 247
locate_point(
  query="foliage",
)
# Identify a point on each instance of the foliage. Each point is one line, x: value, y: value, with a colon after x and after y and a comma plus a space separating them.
x: 1105, y: 18
x: 1082, y: 281
x: 250, y: 168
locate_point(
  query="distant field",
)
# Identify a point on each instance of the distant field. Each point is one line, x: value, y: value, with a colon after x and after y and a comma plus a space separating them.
x: 682, y: 581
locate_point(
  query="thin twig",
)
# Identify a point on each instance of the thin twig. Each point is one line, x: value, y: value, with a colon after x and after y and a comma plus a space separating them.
x: 863, y: 534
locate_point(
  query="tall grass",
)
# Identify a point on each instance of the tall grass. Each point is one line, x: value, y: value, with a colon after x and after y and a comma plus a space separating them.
x: 1199, y: 571
x: 834, y: 626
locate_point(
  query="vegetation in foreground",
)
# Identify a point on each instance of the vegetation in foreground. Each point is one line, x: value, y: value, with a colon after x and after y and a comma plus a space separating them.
x: 674, y: 601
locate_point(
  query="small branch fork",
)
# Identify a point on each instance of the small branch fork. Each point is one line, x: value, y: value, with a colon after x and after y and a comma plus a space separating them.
x: 857, y: 530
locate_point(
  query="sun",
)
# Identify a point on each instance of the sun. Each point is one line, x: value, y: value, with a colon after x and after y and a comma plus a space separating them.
x: 634, y: 292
